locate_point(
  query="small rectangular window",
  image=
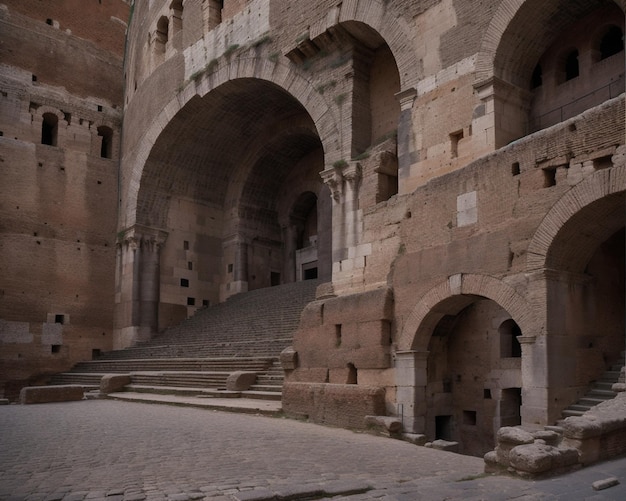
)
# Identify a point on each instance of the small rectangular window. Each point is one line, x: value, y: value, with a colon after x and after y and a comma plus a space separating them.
x: 59, y: 319
x: 184, y: 282
x: 55, y: 348
x: 186, y: 245
x: 549, y: 177
x: 455, y: 138
x: 191, y: 301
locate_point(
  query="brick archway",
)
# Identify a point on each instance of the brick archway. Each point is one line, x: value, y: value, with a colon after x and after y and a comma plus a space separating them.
x: 545, y: 251
x: 454, y: 294
x: 392, y: 28
x: 284, y: 76
x: 493, y: 37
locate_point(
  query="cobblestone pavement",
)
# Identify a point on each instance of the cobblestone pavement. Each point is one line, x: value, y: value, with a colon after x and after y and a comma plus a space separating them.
x: 120, y: 451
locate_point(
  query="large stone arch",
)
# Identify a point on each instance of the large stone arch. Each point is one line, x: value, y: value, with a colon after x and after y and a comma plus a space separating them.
x: 454, y: 294
x: 282, y: 75
x: 501, y: 20
x: 544, y: 250
x: 392, y: 27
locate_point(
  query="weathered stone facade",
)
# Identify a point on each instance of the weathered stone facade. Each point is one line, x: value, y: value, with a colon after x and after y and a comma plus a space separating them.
x: 454, y: 171
x: 61, y: 70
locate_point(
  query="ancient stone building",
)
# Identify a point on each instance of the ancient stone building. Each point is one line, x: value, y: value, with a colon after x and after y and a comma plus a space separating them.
x: 453, y: 171
x: 60, y: 119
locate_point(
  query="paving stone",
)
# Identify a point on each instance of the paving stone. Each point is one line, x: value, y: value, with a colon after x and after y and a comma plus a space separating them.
x: 139, y: 455
x: 255, y: 495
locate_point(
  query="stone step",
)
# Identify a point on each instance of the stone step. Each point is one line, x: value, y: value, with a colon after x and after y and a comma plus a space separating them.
x: 266, y: 387
x: 601, y: 394
x: 568, y: 413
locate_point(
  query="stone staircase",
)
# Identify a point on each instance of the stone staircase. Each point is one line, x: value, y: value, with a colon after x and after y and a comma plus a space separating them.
x: 599, y: 391
x: 195, y: 358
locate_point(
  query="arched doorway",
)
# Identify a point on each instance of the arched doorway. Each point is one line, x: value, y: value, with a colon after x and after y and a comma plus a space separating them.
x: 453, y: 373
x: 472, y: 376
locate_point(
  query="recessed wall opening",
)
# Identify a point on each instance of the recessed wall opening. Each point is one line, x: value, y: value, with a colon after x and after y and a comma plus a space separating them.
x: 455, y: 138
x: 106, y: 146
x: 612, y: 42
x: 49, y: 129
x: 338, y: 335
x: 469, y: 418
x: 55, y: 348
x: 602, y: 163
x: 191, y: 301
x: 443, y: 428
x: 352, y: 374
x: 549, y: 177
x: 509, y: 344
x: 510, y: 404
x: 274, y: 278
x: 95, y: 353
x: 515, y: 169
x: 162, y: 34
x: 309, y: 273
x: 184, y: 282
x: 59, y: 319
x: 572, y: 69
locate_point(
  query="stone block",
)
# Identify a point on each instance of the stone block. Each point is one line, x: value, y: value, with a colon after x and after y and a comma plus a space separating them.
x: 289, y: 359
x: 387, y: 424
x: 445, y: 445
x: 605, y: 483
x: 240, y: 380
x: 111, y: 383
x: 334, y: 404
x: 45, y: 394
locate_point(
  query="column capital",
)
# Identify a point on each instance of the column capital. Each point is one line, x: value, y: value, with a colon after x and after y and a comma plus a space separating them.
x: 138, y: 235
x: 332, y: 178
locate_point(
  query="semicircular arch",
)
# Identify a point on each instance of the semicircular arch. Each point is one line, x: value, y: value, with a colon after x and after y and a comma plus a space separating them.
x: 453, y: 295
x: 505, y: 14
x: 598, y: 203
x: 284, y: 76
x: 389, y: 24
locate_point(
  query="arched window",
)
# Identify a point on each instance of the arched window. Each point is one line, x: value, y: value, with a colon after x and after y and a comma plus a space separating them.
x: 106, y: 147
x: 49, y: 129
x: 612, y: 42
x: 162, y: 33
x: 572, y: 69
x: 509, y: 344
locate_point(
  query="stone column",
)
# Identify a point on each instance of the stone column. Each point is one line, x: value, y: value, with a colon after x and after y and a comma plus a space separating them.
x: 406, y: 142
x: 352, y: 177
x: 137, y: 285
x: 333, y: 179
x: 411, y: 380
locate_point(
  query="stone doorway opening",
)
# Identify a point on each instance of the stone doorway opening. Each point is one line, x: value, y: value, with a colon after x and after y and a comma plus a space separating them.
x: 473, y: 376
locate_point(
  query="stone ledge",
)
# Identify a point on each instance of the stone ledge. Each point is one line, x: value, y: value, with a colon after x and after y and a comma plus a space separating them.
x: 46, y: 394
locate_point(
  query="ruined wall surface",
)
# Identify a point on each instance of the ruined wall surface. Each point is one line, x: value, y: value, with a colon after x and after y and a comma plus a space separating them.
x: 58, y: 205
